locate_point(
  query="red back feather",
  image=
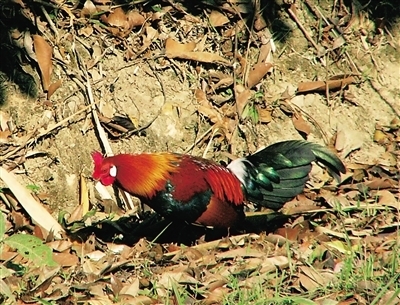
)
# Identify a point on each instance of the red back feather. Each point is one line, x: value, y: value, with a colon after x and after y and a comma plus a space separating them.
x: 198, y: 175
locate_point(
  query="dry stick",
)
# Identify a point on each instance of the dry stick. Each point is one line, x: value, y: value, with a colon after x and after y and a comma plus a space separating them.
x: 42, y: 134
x: 198, y: 140
x: 251, y: 32
x: 235, y: 130
x: 210, y: 142
x: 106, y: 143
x: 33, y: 208
x: 309, y: 38
x: 89, y: 91
x: 51, y: 23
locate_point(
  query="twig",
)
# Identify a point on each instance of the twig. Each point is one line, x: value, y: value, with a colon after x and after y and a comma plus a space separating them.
x: 51, y: 23
x: 309, y: 38
x: 209, y: 142
x: 34, y: 209
x: 159, y: 234
x: 198, y: 140
x: 317, y: 12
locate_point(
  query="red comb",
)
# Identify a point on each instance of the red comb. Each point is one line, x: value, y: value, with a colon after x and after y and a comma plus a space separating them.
x: 98, y: 161
x: 97, y: 157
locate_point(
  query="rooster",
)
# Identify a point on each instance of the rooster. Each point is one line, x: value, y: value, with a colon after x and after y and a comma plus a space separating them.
x: 193, y: 189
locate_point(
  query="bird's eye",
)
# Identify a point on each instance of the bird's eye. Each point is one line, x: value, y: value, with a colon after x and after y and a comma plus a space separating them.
x: 113, y: 171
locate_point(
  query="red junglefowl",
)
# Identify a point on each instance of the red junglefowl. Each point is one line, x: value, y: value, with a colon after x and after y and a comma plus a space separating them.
x: 194, y: 189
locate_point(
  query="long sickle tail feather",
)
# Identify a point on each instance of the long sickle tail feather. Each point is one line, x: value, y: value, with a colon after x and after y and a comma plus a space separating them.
x: 279, y: 172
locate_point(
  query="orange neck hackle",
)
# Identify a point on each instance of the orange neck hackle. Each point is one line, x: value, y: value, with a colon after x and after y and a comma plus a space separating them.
x: 144, y: 174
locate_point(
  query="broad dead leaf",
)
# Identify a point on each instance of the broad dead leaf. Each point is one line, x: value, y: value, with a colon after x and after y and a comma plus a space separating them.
x: 174, y: 49
x: 117, y: 18
x: 131, y: 288
x: 257, y: 72
x: 135, y: 19
x: 137, y: 300
x: 381, y: 183
x: 390, y: 298
x: 53, y: 87
x: 242, y: 98
x: 206, y: 108
x: 264, y: 115
x: 60, y: 245
x: 388, y: 199
x: 88, y: 9
x: 116, y: 284
x: 43, y: 53
x: 270, y: 264
x: 300, y: 124
x: 217, y: 19
x: 65, y: 259
x: 122, y: 23
x: 348, y: 140
x: 216, y: 296
x: 86, y: 30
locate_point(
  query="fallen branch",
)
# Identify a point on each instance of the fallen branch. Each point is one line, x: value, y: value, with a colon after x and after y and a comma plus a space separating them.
x: 36, y: 211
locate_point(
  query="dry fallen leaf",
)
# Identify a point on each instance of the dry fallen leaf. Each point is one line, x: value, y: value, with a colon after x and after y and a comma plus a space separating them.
x: 135, y: 19
x: 43, y: 53
x: 172, y: 47
x: 300, y: 124
x: 86, y: 31
x: 65, y: 259
x: 88, y: 9
x: 242, y: 98
x: 257, y: 72
x: 333, y: 84
x: 217, y: 19
x: 175, y: 49
x: 117, y: 18
x: 264, y: 115
x: 388, y: 199
x: 53, y: 87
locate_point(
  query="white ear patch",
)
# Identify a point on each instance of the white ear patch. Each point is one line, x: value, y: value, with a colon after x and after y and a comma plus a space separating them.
x: 113, y: 171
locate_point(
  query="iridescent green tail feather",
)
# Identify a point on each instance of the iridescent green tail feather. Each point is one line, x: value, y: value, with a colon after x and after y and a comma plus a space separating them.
x: 280, y: 171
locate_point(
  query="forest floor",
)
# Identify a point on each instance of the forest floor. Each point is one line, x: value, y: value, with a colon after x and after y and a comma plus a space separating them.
x: 218, y: 81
